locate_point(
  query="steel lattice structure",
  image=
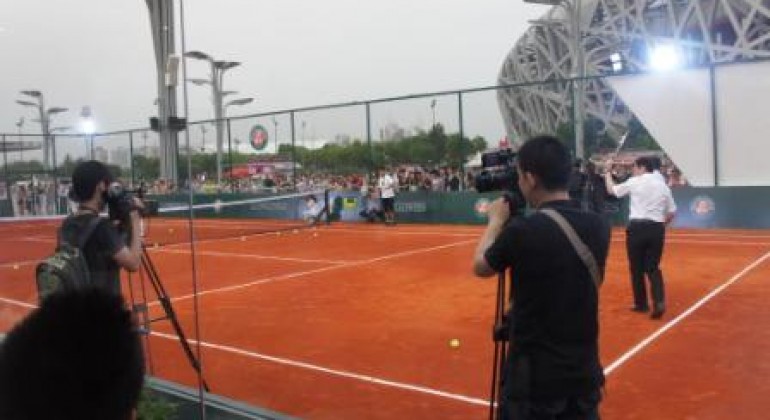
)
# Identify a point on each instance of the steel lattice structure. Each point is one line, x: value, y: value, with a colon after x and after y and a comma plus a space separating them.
x: 704, y: 31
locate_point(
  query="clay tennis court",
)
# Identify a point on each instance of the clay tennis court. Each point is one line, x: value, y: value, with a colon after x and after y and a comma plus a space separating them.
x: 353, y: 321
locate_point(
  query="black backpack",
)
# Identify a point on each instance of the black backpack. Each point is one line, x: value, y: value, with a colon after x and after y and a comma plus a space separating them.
x: 66, y: 269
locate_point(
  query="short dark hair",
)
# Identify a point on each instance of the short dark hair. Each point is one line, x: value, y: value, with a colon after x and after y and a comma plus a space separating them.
x: 656, y: 163
x: 645, y: 162
x: 77, y: 356
x: 86, y: 177
x: 548, y: 159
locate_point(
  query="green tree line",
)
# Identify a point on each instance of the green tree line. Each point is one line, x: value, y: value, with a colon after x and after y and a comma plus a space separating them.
x: 431, y: 148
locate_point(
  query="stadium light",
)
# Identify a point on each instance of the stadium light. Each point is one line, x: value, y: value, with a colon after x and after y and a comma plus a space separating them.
x: 617, y: 62
x: 665, y: 57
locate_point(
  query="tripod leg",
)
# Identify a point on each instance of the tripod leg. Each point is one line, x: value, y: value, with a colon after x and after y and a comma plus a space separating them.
x: 165, y: 302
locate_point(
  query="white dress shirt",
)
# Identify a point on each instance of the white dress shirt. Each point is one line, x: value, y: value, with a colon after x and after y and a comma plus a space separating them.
x: 650, y: 197
x: 387, y: 186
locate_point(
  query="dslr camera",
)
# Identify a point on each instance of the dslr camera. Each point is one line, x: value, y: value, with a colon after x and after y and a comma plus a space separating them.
x: 120, y: 202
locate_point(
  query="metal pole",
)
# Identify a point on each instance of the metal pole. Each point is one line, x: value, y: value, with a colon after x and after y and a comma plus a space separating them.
x: 714, y: 122
x: 216, y: 92
x: 92, y: 146
x: 579, y: 67
x: 229, y: 155
x: 462, y: 139
x: 55, y: 179
x: 7, y: 178
x: 293, y: 151
x: 131, y: 157
x: 369, y: 139
x: 21, y: 144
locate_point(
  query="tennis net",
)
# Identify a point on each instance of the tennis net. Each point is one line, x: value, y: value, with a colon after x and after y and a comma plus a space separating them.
x: 213, y: 218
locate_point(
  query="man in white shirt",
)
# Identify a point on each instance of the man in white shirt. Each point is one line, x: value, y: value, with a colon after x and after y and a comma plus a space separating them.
x: 387, y: 186
x: 651, y: 207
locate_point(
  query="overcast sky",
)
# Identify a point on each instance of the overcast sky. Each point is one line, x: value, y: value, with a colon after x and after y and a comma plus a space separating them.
x: 294, y: 53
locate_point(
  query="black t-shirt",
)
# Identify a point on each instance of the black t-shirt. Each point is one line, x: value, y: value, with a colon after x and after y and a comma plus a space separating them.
x: 555, y: 302
x: 99, y: 251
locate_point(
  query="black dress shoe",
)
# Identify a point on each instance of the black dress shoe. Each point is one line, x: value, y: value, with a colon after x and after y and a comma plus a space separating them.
x: 658, y: 310
x: 640, y: 309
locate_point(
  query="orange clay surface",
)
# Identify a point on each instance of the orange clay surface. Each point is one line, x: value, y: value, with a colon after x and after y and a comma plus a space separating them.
x: 354, y: 321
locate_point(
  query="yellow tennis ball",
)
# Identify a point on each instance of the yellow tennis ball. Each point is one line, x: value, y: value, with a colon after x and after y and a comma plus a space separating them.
x: 243, y: 238
x: 295, y: 231
x: 454, y: 343
x: 315, y: 234
x: 171, y: 231
x: 16, y: 266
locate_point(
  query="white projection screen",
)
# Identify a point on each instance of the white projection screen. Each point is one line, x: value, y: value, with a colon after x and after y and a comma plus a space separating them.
x: 743, y: 124
x: 675, y: 107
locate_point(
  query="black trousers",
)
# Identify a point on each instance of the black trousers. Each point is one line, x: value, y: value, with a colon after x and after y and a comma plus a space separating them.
x: 585, y: 407
x: 644, y: 244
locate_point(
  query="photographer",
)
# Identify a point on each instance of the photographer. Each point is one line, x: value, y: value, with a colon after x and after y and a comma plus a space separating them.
x: 552, y: 370
x: 105, y: 250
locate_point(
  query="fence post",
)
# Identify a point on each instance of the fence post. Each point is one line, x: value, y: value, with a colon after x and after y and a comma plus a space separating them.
x: 293, y: 151
x: 370, y: 166
x: 5, y: 175
x: 462, y: 140
x: 229, y: 156
x: 131, y: 157
x: 55, y: 179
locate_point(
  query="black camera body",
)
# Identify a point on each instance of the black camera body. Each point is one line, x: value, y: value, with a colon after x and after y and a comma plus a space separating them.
x: 499, y: 174
x: 120, y: 202
x: 499, y: 171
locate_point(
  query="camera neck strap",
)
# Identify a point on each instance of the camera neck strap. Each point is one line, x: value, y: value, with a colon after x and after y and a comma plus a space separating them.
x: 580, y: 247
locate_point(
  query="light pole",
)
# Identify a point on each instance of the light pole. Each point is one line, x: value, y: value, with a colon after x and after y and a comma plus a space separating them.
x: 88, y: 127
x: 574, y: 9
x: 433, y: 110
x: 203, y: 137
x: 216, y: 78
x: 275, y: 125
x: 19, y: 125
x: 45, y: 120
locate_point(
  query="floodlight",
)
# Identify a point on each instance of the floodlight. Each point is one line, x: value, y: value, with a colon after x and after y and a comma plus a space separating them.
x: 665, y: 57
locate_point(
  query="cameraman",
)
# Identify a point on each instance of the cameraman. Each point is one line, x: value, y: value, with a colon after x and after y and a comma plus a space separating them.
x: 552, y: 370
x: 105, y: 251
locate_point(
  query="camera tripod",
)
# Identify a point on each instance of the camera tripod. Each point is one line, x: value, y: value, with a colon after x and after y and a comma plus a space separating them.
x: 168, y: 309
x: 500, y: 331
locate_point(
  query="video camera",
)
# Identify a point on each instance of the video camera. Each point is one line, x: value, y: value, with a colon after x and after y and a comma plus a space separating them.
x: 120, y: 202
x: 499, y: 174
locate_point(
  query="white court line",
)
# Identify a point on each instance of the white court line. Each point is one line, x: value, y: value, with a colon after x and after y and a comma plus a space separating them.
x: 698, y: 242
x: 365, y: 378
x: 644, y: 343
x: 308, y: 366
x: 253, y: 256
x: 318, y: 270
x: 396, y: 231
x: 334, y: 372
x: 19, y: 263
x: 18, y: 303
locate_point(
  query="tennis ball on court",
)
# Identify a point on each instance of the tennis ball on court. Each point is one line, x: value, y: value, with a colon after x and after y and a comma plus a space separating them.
x: 315, y: 234
x: 171, y: 231
x: 16, y: 266
x: 243, y: 238
x: 278, y: 233
x: 295, y: 231
x: 454, y: 343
